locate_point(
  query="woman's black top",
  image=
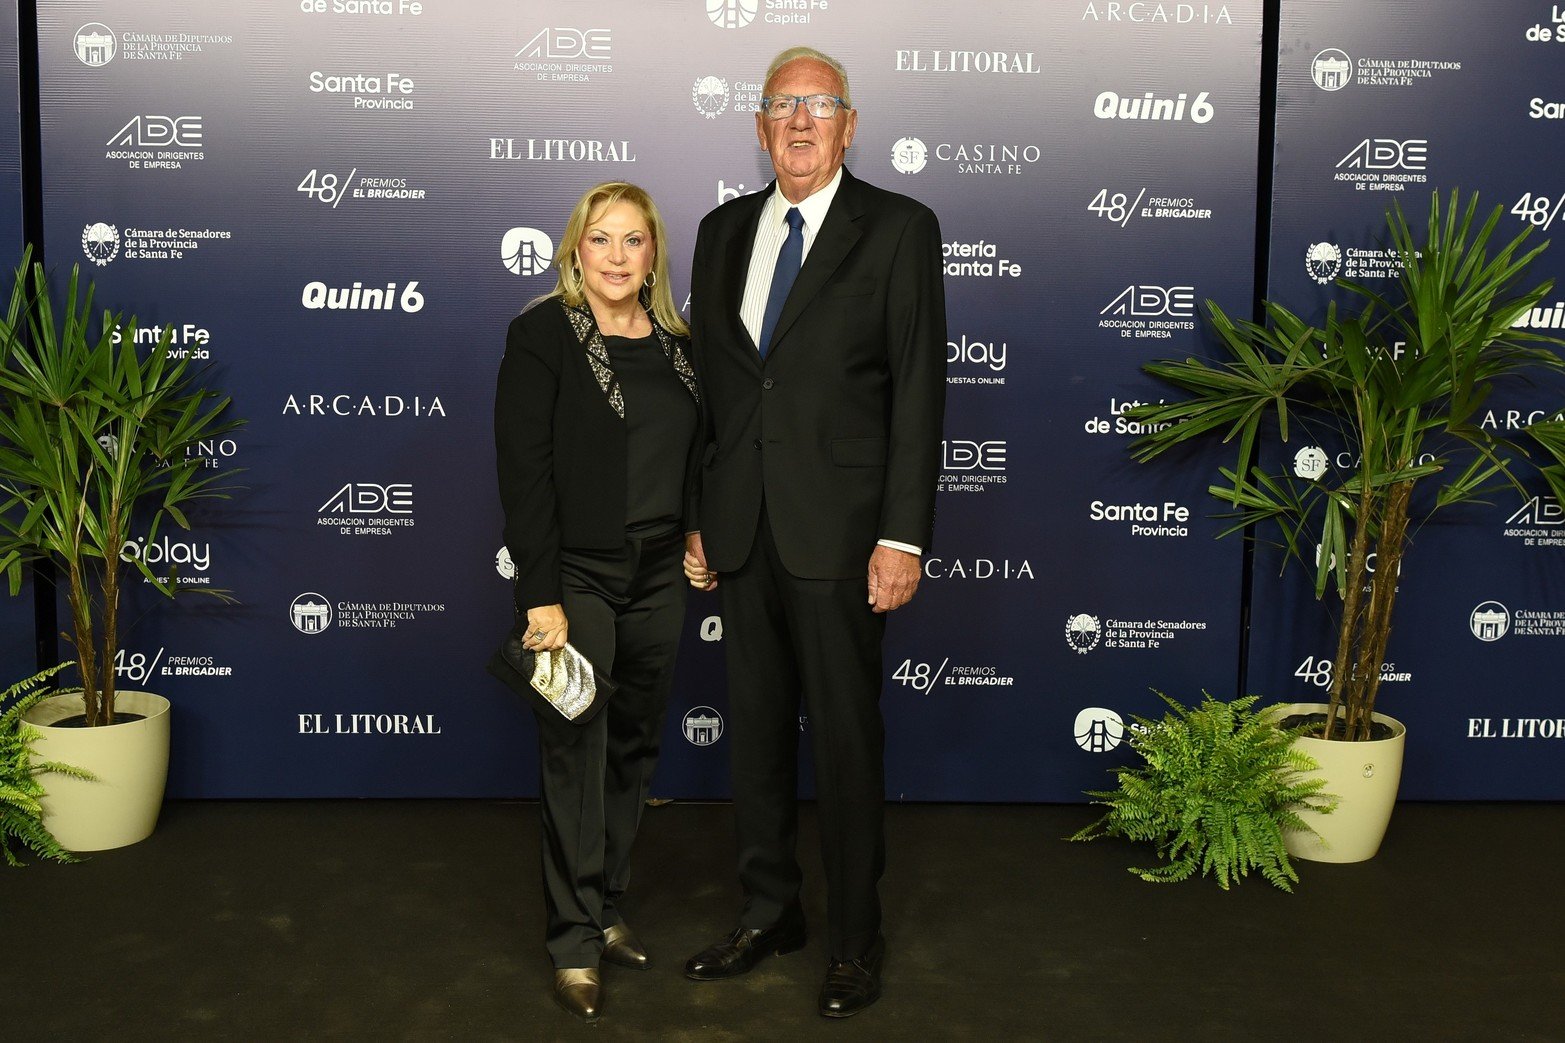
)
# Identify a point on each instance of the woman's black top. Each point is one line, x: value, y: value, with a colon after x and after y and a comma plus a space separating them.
x: 660, y: 422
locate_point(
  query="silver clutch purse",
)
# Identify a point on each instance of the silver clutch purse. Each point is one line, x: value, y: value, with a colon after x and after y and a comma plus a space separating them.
x: 565, y: 679
x: 561, y: 684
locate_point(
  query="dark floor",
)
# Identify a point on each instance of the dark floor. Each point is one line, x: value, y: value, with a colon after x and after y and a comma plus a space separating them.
x: 419, y: 920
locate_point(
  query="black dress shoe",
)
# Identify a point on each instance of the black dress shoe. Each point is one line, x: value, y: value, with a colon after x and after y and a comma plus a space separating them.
x: 579, y: 990
x: 853, y: 985
x: 622, y: 947
x: 746, y: 947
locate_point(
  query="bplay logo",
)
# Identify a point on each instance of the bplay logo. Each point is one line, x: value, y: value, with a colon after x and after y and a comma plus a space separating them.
x: 310, y: 613
x: 94, y: 45
x: 1099, y: 730
x: 526, y: 251
x: 1331, y: 69
x: 703, y: 726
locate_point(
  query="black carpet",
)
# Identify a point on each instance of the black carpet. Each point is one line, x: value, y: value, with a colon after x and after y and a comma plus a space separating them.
x: 420, y: 920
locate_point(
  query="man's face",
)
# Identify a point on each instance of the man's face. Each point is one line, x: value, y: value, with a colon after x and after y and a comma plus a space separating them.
x: 806, y: 152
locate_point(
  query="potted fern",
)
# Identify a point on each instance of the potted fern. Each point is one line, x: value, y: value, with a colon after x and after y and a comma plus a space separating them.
x: 1411, y: 416
x: 1220, y: 786
x: 21, y: 813
x: 96, y: 440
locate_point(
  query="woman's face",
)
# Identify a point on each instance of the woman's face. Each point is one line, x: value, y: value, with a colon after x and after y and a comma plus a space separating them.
x: 616, y: 252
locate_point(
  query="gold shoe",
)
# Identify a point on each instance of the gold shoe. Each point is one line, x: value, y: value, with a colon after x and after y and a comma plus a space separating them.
x: 622, y: 947
x: 580, y: 991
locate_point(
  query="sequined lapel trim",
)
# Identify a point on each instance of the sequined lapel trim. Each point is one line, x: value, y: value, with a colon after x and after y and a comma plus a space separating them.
x: 591, y: 339
x: 676, y: 355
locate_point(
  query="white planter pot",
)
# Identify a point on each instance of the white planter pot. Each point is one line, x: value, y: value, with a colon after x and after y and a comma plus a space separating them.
x: 1364, y: 776
x: 129, y: 758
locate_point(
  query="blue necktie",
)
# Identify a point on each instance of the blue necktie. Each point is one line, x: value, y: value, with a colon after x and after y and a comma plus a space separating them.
x: 789, y: 258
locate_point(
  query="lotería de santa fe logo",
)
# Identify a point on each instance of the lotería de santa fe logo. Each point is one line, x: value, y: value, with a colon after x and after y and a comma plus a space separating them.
x: 504, y: 565
x: 1309, y: 462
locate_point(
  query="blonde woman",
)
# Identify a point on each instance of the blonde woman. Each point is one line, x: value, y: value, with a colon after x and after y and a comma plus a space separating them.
x: 596, y: 415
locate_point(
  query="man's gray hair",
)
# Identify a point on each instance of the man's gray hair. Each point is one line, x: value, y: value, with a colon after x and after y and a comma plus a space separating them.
x: 795, y: 53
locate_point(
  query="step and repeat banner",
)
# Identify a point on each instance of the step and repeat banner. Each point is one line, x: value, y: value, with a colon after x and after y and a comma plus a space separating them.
x: 18, y: 659
x: 1382, y: 102
x: 338, y: 205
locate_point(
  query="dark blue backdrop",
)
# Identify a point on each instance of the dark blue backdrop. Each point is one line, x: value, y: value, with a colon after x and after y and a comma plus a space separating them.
x: 224, y: 168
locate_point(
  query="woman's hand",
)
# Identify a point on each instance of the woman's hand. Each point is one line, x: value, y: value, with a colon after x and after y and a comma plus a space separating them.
x: 696, y: 571
x: 546, y: 628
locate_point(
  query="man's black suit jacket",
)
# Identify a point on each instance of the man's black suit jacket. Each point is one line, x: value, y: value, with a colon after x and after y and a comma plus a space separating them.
x: 839, y: 427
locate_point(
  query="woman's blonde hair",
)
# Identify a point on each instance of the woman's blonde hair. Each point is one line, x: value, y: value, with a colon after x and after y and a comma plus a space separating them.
x: 569, y: 283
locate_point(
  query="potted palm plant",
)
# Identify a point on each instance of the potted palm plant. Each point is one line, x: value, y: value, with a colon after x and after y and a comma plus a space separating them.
x: 96, y: 435
x: 1401, y: 382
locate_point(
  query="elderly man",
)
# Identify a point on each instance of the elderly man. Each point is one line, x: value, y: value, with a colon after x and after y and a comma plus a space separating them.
x: 819, y: 330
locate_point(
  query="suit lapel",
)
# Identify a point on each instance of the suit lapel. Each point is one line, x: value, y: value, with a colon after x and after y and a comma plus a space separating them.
x: 734, y: 256
x: 839, y: 232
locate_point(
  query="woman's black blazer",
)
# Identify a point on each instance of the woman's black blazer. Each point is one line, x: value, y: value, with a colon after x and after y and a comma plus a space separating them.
x: 559, y: 424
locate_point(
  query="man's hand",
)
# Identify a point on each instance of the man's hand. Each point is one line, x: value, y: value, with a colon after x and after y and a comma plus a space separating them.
x: 696, y: 571
x: 893, y: 577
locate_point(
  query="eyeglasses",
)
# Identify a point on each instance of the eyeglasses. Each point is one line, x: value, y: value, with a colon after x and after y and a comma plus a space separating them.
x: 821, y: 106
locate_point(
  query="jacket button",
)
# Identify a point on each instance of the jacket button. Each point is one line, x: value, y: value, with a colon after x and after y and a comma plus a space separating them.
x: 766, y: 385
x: 758, y: 443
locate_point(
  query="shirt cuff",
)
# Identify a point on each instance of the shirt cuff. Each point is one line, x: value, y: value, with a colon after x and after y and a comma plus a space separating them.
x: 894, y: 545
